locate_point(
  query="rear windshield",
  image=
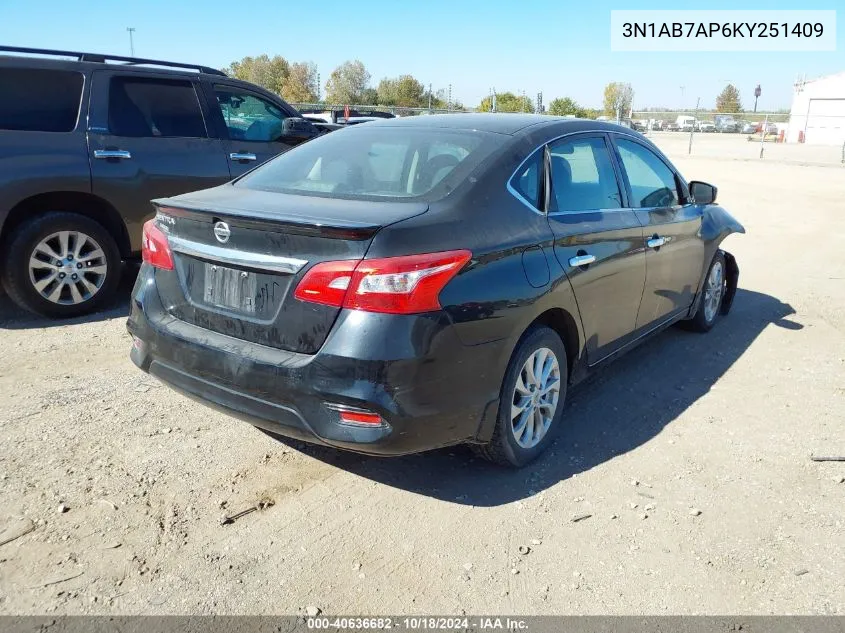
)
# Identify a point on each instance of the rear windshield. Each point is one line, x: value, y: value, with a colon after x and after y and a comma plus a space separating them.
x: 371, y: 161
x: 39, y: 100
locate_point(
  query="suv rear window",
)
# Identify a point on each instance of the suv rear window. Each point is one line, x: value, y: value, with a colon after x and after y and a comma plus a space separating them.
x: 39, y: 100
x: 371, y: 161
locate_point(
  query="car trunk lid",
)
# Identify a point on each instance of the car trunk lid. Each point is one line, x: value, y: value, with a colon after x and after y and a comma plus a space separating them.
x: 238, y: 255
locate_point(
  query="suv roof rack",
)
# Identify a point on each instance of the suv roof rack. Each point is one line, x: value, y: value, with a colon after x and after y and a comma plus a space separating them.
x: 102, y: 58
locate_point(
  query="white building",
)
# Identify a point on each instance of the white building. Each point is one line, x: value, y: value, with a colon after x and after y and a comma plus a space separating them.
x: 818, y: 111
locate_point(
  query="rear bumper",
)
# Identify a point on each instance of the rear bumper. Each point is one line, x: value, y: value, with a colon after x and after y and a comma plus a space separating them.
x: 413, y: 371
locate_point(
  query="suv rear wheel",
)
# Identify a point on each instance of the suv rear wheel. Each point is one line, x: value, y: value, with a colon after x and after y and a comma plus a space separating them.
x: 61, y: 265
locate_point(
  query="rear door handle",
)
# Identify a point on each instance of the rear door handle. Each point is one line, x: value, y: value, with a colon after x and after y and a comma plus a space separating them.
x: 656, y: 242
x: 244, y: 156
x: 111, y: 153
x: 581, y: 260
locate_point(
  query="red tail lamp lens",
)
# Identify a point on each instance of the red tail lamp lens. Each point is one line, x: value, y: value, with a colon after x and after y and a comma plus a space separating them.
x: 396, y: 285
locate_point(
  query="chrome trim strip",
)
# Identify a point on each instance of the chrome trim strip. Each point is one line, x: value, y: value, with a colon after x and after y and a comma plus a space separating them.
x: 230, y: 257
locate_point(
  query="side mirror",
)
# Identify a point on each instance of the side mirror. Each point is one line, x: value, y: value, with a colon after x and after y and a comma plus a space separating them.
x: 702, y: 193
x: 298, y: 130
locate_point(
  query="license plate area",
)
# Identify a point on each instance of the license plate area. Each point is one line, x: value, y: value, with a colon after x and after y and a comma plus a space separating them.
x: 230, y: 288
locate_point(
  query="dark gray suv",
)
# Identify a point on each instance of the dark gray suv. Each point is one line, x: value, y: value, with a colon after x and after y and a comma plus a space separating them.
x: 87, y: 140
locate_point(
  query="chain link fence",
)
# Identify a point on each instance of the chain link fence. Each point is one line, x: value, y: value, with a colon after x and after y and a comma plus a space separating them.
x: 338, y: 110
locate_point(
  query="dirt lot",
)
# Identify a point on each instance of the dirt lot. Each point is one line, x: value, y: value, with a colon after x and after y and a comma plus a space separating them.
x: 722, y: 424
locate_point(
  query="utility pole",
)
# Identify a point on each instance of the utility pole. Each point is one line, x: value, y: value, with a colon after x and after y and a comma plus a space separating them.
x: 131, y: 30
x: 763, y: 134
x: 449, y: 101
x: 318, y: 86
x: 694, y: 121
x: 757, y: 93
x: 429, y: 97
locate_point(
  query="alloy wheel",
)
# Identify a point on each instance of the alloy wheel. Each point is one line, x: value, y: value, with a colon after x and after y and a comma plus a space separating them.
x: 713, y: 291
x: 535, y: 398
x: 68, y: 267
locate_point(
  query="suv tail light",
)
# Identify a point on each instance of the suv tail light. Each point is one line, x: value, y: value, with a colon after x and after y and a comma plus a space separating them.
x: 393, y: 285
x: 155, y: 250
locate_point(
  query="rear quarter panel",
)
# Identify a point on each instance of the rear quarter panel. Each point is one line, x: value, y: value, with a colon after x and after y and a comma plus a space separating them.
x: 33, y: 163
x: 41, y: 162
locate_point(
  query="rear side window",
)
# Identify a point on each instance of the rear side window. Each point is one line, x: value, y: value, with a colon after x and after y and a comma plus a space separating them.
x: 526, y: 181
x: 582, y: 176
x: 154, y: 107
x: 39, y: 100
x: 375, y: 162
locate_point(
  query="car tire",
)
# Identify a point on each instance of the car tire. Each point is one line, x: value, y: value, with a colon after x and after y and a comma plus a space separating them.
x: 530, y: 407
x: 61, y: 265
x: 711, y: 296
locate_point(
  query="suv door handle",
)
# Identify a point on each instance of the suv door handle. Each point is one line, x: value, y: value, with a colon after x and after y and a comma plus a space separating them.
x: 240, y: 156
x: 581, y: 260
x: 656, y: 242
x: 112, y: 153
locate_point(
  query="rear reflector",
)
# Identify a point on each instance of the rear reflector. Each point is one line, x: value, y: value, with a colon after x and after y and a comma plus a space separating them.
x: 395, y: 285
x: 155, y: 249
x: 363, y: 418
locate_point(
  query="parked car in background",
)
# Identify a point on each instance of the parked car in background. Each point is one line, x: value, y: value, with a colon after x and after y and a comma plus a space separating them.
x: 338, y: 115
x: 100, y: 140
x: 770, y: 128
x: 328, y: 296
x: 758, y: 127
x: 685, y: 123
x: 725, y: 123
x: 358, y: 119
x: 672, y: 127
x: 658, y: 125
x: 705, y: 126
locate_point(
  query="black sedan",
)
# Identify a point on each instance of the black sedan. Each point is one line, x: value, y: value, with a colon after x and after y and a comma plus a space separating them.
x: 421, y: 282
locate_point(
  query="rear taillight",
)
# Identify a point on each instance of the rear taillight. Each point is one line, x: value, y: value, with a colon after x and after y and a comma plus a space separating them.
x: 394, y: 285
x: 155, y: 250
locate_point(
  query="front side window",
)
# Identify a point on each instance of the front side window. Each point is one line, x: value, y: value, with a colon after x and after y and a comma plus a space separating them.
x: 249, y: 118
x: 375, y: 162
x: 652, y: 182
x: 143, y: 107
x: 582, y: 176
x: 39, y: 100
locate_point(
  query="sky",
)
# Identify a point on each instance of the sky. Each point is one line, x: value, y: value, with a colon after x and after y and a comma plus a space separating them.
x: 558, y: 47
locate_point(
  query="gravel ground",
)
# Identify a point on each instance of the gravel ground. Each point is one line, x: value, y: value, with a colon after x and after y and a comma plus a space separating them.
x: 690, y: 456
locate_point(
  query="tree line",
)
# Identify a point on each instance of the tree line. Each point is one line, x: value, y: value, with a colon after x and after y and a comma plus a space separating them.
x: 351, y: 83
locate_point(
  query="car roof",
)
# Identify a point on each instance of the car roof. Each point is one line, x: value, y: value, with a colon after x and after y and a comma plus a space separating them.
x: 498, y: 122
